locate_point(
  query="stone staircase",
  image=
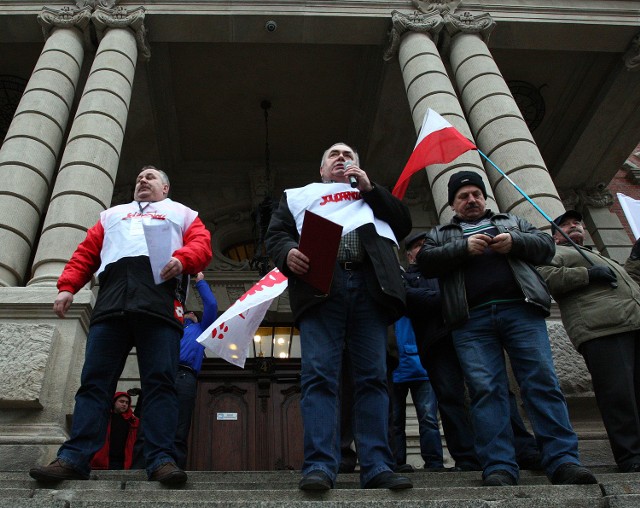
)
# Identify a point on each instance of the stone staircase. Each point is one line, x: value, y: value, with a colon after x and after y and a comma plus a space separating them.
x: 280, y: 489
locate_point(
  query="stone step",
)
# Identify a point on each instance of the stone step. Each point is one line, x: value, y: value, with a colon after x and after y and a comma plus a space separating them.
x: 279, y: 489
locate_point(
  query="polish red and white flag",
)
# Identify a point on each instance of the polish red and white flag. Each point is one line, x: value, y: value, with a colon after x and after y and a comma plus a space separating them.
x: 439, y: 142
x: 230, y: 336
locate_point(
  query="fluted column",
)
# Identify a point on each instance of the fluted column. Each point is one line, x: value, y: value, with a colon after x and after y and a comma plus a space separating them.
x: 87, y: 174
x: 428, y: 86
x: 496, y: 122
x: 30, y: 150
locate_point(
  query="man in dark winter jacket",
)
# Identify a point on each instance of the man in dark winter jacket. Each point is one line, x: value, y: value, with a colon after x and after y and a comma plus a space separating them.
x: 437, y: 354
x: 131, y: 311
x: 603, y: 323
x: 366, y: 296
x: 495, y: 300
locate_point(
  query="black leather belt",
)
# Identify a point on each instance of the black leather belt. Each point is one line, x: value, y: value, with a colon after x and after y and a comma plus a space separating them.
x: 187, y: 368
x: 350, y: 265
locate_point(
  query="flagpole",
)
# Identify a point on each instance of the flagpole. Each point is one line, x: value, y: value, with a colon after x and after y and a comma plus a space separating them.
x: 553, y: 225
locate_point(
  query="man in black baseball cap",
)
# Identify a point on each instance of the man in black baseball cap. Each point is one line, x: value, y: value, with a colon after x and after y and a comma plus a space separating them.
x: 569, y: 214
x: 603, y: 322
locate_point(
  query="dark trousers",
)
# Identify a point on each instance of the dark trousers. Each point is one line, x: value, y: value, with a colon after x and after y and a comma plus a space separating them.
x: 614, y: 364
x: 447, y: 381
x: 186, y: 386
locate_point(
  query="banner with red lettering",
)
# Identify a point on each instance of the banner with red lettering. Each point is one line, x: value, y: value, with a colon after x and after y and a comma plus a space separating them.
x: 336, y: 202
x: 230, y: 336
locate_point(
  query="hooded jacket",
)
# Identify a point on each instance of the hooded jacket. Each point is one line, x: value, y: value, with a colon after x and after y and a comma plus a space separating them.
x: 101, y: 458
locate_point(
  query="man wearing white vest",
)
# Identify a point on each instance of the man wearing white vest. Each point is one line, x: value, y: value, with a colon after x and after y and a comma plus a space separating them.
x: 131, y: 311
x: 366, y: 296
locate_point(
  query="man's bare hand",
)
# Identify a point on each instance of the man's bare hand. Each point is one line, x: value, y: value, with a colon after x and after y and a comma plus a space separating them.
x: 172, y: 269
x: 502, y: 243
x: 364, y: 184
x: 199, y: 277
x: 62, y: 303
x: 476, y: 244
x: 297, y: 262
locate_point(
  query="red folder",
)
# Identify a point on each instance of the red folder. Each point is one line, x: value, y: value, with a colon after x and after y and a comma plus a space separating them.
x: 319, y: 241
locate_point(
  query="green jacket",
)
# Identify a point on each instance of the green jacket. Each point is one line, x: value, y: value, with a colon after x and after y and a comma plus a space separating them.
x: 590, y: 311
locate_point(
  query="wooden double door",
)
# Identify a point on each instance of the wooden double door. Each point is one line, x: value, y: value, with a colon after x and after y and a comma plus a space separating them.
x: 247, y: 419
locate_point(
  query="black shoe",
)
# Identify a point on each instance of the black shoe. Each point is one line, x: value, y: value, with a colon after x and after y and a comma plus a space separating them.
x: 499, y: 478
x: 389, y: 480
x: 436, y: 469
x: 404, y: 468
x: 532, y: 463
x: 56, y: 472
x: 573, y: 474
x: 315, y: 480
x: 463, y: 468
x: 168, y: 474
x: 631, y: 468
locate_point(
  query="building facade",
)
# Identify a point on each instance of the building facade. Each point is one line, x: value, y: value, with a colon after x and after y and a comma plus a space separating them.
x: 237, y: 100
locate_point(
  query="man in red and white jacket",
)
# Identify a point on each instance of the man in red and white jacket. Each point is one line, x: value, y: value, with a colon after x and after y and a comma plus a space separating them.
x: 131, y: 311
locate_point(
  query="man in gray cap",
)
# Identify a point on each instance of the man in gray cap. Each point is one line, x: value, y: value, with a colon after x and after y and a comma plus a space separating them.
x: 603, y: 323
x: 495, y: 300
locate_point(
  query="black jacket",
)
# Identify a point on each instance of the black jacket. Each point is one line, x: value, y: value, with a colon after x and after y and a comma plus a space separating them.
x: 424, y: 308
x: 384, y: 280
x: 445, y: 252
x: 127, y: 286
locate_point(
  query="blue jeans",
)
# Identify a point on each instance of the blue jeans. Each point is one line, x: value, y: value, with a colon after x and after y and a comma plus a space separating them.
x: 426, y: 406
x: 348, y: 315
x: 520, y: 329
x: 157, y: 345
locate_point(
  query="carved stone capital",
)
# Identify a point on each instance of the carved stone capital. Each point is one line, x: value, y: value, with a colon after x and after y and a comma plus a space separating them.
x: 104, y: 19
x: 107, y: 4
x: 632, y: 55
x: 467, y: 23
x: 430, y: 23
x: 436, y: 5
x: 594, y: 197
x: 67, y: 17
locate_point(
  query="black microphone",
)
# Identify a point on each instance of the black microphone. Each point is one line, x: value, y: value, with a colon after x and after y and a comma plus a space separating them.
x: 352, y: 179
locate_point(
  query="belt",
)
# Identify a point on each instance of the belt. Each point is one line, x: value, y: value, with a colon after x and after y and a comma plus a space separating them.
x: 187, y: 368
x: 350, y: 265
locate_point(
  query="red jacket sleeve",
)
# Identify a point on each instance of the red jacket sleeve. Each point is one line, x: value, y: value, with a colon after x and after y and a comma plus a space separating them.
x: 84, y: 262
x: 195, y: 255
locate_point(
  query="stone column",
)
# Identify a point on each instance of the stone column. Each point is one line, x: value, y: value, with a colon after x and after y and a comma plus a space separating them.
x: 30, y: 151
x: 88, y: 169
x: 496, y: 122
x: 428, y: 85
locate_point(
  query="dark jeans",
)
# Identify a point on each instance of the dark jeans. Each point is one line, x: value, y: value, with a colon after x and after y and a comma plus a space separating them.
x: 186, y: 386
x: 447, y: 381
x: 108, y: 345
x: 351, y: 315
x: 426, y: 405
x: 520, y: 330
x: 614, y: 364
